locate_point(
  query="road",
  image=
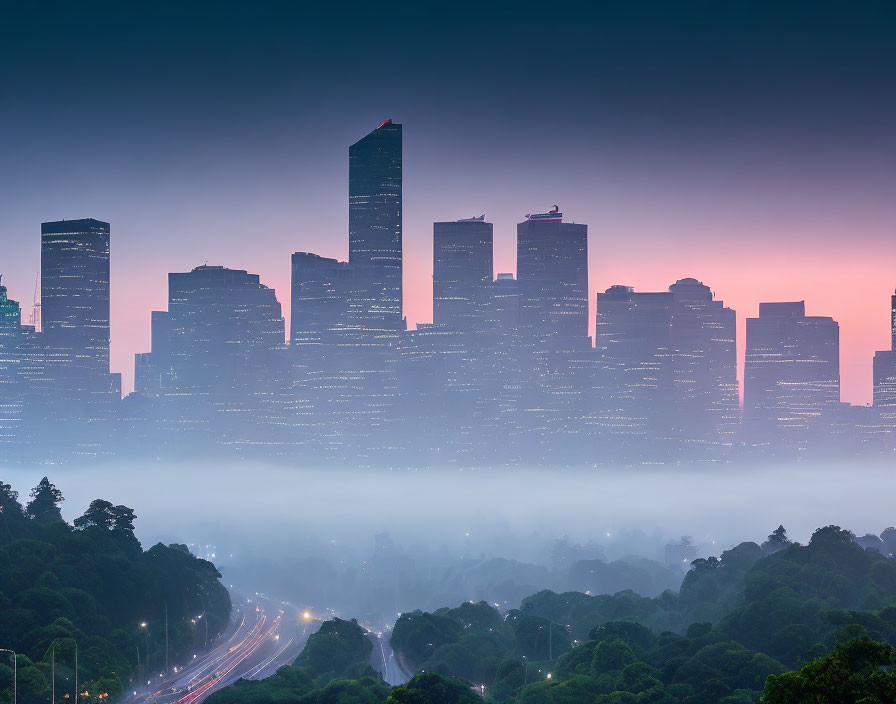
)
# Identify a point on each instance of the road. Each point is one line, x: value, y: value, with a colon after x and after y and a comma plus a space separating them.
x: 262, y: 636
x: 382, y: 658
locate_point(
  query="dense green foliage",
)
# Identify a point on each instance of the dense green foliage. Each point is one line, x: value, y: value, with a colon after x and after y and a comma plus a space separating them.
x: 430, y: 688
x: 90, y: 585
x: 825, y: 611
x: 859, y: 670
x: 332, y: 668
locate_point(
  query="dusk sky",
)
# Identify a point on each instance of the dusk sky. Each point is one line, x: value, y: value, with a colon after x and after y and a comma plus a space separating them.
x: 750, y: 145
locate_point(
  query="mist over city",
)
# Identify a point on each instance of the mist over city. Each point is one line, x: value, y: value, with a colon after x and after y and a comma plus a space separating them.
x: 406, y: 353
x: 291, y: 533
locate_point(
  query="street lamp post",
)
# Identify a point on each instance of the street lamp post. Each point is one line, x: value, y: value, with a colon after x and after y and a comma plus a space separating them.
x: 15, y: 673
x: 53, y: 671
x: 166, y: 640
x: 143, y: 626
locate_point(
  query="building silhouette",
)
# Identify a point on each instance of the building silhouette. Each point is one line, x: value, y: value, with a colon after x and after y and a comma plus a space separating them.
x: 462, y: 274
x: 552, y: 275
x: 374, y: 223
x: 506, y: 373
x: 706, y: 407
x: 213, y: 367
x: 555, y: 351
x: 11, y: 386
x: 321, y: 296
x: 74, y: 293
x: 667, y: 373
x: 791, y: 376
x: 633, y: 337
x: 71, y: 390
x: 884, y: 386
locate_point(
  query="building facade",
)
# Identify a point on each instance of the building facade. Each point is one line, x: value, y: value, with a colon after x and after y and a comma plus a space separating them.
x: 374, y: 223
x: 791, y: 376
x: 463, y: 266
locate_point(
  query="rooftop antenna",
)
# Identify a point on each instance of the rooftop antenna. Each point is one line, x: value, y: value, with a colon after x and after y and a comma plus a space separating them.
x: 555, y: 209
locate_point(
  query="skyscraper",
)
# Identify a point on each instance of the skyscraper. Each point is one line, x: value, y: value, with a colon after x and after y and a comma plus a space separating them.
x: 884, y: 379
x: 668, y: 371
x: 704, y: 364
x: 462, y: 273
x: 214, y: 368
x: 634, y: 347
x: 374, y: 224
x: 217, y: 319
x: 321, y: 293
x: 10, y: 377
x: 74, y: 280
x: 552, y: 271
x: 72, y: 387
x: 552, y: 274
x: 791, y: 374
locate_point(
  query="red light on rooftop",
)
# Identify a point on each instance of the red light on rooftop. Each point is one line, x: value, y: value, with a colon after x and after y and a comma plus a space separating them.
x: 385, y: 122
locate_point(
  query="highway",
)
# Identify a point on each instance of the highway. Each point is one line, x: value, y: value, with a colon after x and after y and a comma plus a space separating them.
x: 262, y: 636
x: 382, y: 658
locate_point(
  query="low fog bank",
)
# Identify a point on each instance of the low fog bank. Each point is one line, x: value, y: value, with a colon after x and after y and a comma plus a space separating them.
x: 371, y: 543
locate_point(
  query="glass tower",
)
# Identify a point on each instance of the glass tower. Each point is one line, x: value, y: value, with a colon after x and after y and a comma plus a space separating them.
x: 374, y: 224
x: 462, y: 273
x: 552, y: 271
x: 10, y: 359
x: 791, y: 373
x: 74, y: 279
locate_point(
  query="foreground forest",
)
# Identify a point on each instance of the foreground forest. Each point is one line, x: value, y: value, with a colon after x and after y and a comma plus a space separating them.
x: 778, y: 622
x: 91, y: 586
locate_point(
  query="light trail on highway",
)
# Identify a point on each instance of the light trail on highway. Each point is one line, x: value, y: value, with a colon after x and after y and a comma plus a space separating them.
x: 260, y: 639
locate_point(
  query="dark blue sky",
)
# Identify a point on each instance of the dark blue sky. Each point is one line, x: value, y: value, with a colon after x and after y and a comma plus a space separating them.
x: 749, y: 144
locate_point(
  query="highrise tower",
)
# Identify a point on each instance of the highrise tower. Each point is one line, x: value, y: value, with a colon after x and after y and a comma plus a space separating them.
x: 374, y: 225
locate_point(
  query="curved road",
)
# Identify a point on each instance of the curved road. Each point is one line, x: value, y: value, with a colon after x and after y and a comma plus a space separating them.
x: 262, y: 636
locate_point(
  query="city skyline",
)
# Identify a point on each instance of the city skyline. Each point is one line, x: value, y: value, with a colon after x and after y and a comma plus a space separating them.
x: 506, y: 356
x: 471, y: 352
x: 750, y: 150
x: 856, y: 371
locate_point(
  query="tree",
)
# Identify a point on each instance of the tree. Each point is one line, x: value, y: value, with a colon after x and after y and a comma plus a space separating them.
x: 612, y: 655
x: 888, y: 538
x: 831, y: 536
x: 856, y: 671
x: 123, y: 519
x: 334, y: 648
x: 777, y: 540
x: 430, y: 688
x: 9, y: 501
x: 44, y: 504
x: 98, y: 514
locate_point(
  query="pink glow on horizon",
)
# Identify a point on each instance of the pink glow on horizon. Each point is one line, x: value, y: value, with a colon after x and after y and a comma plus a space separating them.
x: 853, y: 290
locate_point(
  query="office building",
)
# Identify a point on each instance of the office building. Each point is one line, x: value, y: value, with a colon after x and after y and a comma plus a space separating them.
x: 552, y: 274
x: 321, y: 293
x: 791, y: 376
x: 74, y: 292
x: 462, y: 274
x: 634, y: 347
x: 214, y: 367
x: 11, y: 387
x: 704, y: 372
x: 374, y: 223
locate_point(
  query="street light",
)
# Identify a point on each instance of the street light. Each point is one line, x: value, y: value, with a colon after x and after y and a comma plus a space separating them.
x: 15, y: 673
x: 143, y: 625
x: 53, y: 670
